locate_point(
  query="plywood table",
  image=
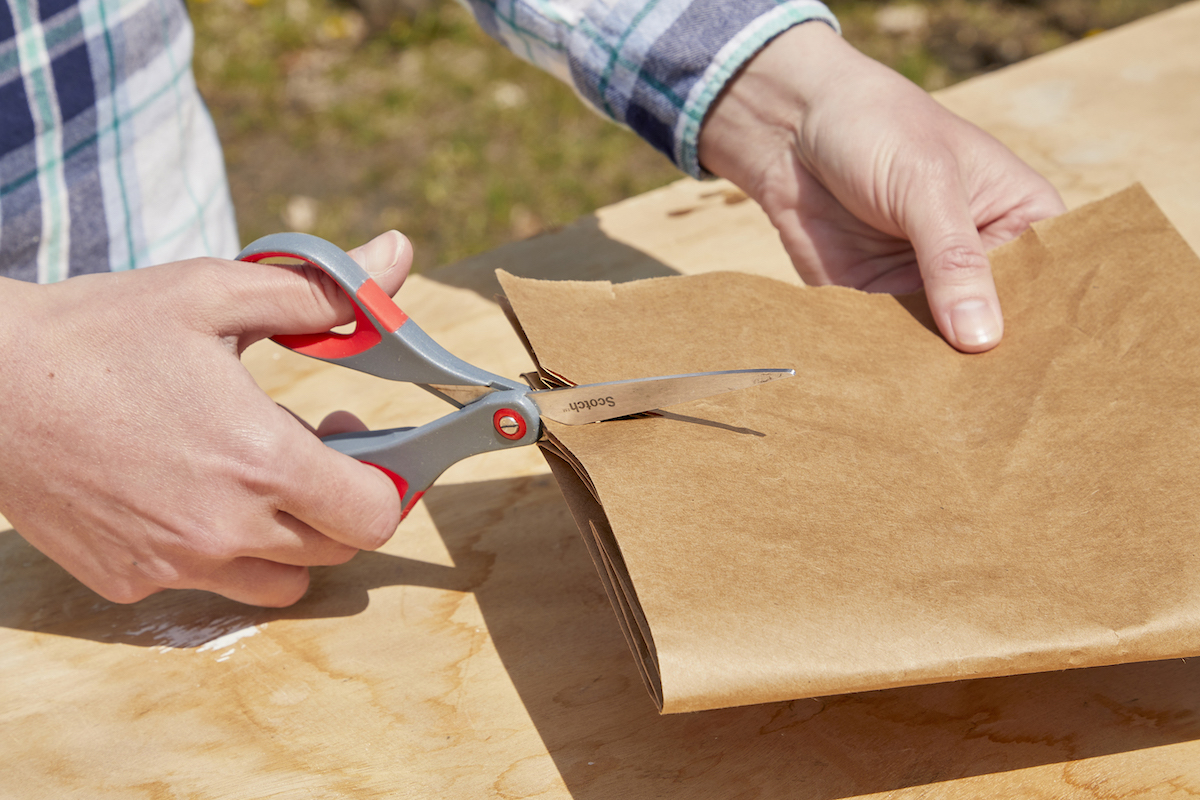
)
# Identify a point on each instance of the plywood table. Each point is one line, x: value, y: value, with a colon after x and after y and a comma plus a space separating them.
x: 476, y: 655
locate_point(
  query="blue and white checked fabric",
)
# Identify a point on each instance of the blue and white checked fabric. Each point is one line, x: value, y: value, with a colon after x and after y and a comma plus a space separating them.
x: 653, y: 65
x: 108, y: 157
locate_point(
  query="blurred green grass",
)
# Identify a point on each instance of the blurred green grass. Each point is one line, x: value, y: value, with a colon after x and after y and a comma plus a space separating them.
x: 424, y: 124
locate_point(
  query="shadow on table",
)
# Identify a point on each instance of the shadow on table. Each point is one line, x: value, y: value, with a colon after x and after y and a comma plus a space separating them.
x: 552, y: 625
x: 549, y: 620
x: 38, y: 595
x: 580, y: 251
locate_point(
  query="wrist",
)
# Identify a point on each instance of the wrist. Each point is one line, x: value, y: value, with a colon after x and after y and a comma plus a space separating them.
x: 763, y: 110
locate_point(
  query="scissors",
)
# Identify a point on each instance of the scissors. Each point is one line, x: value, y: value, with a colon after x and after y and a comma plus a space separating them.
x: 493, y: 412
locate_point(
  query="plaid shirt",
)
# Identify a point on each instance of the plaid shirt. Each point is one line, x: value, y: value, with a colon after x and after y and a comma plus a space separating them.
x: 108, y: 158
x: 653, y: 65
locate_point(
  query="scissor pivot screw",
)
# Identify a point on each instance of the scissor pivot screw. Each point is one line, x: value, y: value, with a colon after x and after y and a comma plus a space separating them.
x: 509, y: 424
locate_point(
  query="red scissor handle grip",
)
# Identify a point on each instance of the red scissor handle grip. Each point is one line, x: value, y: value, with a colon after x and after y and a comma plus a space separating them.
x: 401, y: 487
x: 369, y: 297
x: 385, y: 342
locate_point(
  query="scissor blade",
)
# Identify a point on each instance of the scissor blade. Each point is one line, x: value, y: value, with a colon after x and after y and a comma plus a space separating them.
x: 577, y: 405
x: 457, y: 396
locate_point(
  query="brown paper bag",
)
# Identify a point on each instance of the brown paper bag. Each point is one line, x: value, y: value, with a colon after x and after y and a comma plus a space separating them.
x: 898, y: 513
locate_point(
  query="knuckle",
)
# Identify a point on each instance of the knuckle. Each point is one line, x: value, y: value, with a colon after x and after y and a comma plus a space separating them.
x: 127, y: 592
x: 212, y: 547
x: 210, y: 273
x: 959, y: 263
x: 382, y: 527
x: 161, y: 572
x: 261, y: 461
x: 202, y: 269
x: 340, y: 555
x: 169, y: 573
x: 286, y: 591
x: 369, y: 520
x: 203, y: 291
x: 192, y: 554
x: 326, y: 294
x: 378, y: 533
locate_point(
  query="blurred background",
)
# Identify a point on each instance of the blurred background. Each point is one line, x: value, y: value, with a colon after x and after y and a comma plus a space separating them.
x: 345, y: 118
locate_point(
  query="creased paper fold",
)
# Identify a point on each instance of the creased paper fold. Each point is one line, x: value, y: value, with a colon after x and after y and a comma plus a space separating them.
x: 899, y: 513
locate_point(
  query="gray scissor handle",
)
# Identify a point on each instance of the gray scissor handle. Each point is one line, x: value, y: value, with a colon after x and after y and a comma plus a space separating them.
x: 414, y: 457
x: 385, y: 341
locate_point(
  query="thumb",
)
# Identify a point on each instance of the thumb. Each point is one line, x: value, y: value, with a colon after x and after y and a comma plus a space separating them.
x: 270, y: 300
x: 388, y: 258
x: 956, y: 271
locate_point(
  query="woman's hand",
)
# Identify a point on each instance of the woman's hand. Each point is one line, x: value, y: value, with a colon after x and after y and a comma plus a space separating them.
x: 139, y: 453
x: 870, y: 182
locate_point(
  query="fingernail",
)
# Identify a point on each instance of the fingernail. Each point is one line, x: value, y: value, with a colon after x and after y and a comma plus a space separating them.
x: 975, y: 323
x: 394, y: 241
x: 385, y: 249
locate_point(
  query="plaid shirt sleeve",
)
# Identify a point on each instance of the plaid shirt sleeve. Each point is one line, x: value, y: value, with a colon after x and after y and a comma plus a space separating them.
x: 653, y: 65
x: 108, y: 157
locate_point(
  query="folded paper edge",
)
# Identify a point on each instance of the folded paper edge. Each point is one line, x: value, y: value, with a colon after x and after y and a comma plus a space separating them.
x: 600, y: 540
x: 596, y: 532
x: 594, y: 528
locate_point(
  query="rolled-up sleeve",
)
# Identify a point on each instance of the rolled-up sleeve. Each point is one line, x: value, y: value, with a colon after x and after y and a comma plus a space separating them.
x: 653, y: 65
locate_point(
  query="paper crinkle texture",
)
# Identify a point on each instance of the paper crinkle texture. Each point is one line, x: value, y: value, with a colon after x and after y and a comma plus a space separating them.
x: 899, y: 513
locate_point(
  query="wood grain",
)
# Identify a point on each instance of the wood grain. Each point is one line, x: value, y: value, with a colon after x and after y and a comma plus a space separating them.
x: 476, y: 655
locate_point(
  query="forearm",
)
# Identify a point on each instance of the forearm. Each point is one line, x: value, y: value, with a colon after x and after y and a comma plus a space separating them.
x: 655, y: 67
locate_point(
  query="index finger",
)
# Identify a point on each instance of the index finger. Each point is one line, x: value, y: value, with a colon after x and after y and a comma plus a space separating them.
x: 348, y: 501
x: 956, y: 271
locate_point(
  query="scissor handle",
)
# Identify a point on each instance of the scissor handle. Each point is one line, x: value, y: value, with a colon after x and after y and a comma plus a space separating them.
x: 414, y: 457
x: 385, y: 342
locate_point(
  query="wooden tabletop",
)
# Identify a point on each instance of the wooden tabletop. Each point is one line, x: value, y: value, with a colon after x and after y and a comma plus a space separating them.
x: 476, y: 654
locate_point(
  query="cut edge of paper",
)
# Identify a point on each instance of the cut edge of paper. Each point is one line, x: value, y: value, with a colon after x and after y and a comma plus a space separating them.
x: 1047, y: 240
x: 605, y: 553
